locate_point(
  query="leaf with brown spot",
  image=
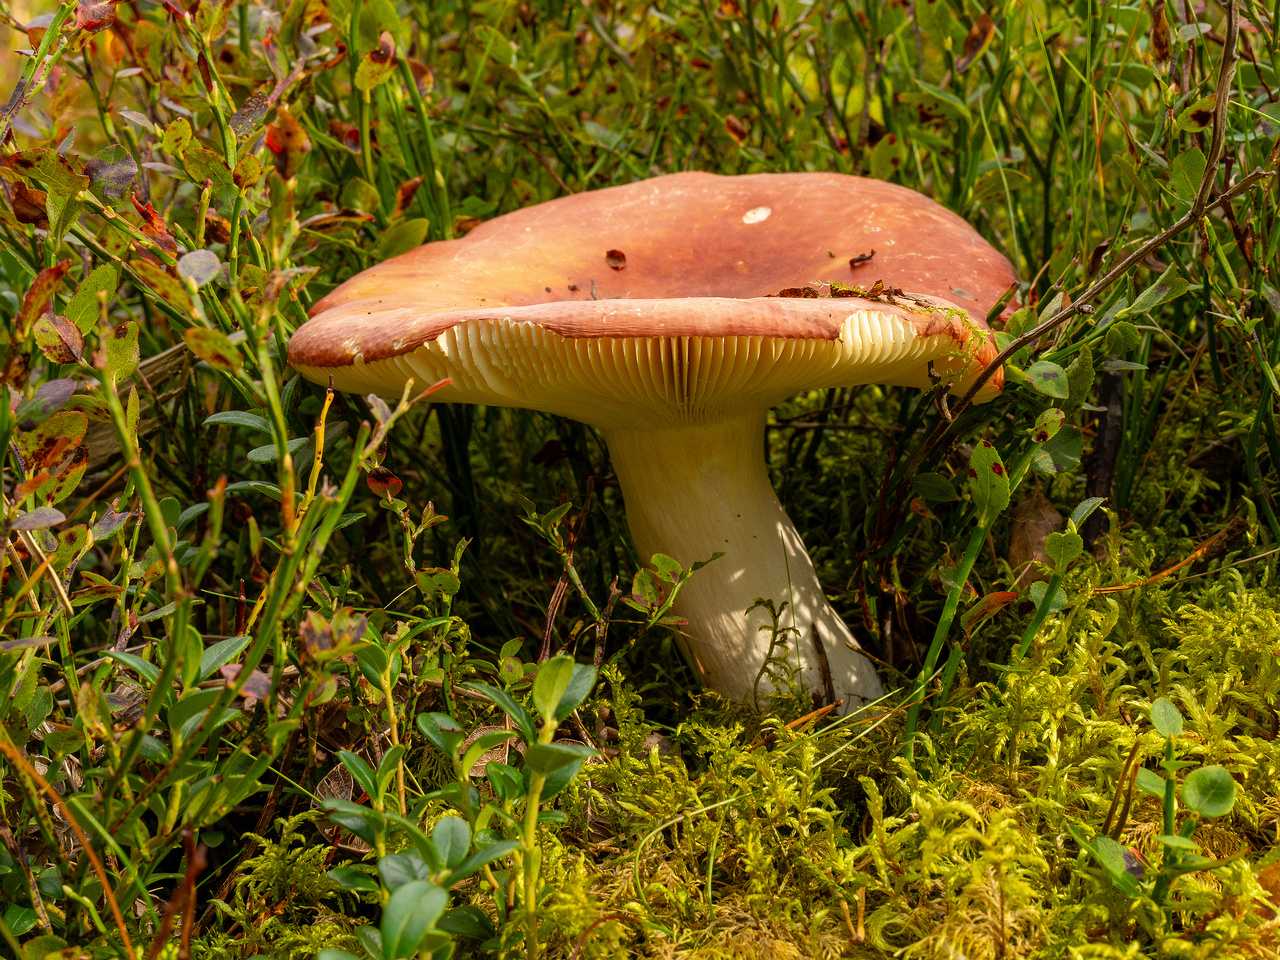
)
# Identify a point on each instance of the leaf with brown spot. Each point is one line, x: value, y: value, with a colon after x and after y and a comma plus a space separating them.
x: 216, y: 229
x: 378, y: 64
x: 29, y: 486
x: 213, y: 347
x: 29, y: 205
x: 384, y: 484
x: 112, y: 171
x: 616, y: 259
x: 288, y: 141
x: 95, y: 15
x: 986, y: 608
x: 46, y: 446
x: 405, y: 195
x: 1161, y: 49
x: 36, y: 299
x: 976, y: 42
x: 256, y: 685
x: 58, y: 339
x: 463, y: 224
x: 423, y: 76
x: 248, y: 171
x: 163, y: 284
x: 737, y: 128
x: 154, y: 227
x: 38, y: 519
x: 247, y: 118
x: 121, y: 350
x: 68, y: 477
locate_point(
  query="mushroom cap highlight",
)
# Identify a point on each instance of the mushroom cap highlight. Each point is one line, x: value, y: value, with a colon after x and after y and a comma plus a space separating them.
x: 666, y: 291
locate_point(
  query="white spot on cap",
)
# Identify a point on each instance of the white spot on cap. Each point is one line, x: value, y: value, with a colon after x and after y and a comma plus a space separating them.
x: 756, y: 215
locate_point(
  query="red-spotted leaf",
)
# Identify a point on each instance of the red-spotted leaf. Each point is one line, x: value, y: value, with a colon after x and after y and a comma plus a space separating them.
x: 988, y: 481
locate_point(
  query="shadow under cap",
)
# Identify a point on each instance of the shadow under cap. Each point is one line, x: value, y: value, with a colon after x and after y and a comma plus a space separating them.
x: 695, y: 245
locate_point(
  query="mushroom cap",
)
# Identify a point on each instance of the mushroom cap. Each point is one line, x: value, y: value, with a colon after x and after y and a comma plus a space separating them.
x: 667, y: 291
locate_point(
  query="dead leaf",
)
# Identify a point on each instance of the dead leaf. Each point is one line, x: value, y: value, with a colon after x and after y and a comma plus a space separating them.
x: 29, y: 205
x: 95, y: 16
x: 861, y: 258
x: 1031, y: 522
x: 404, y: 196
x: 154, y: 227
x: 976, y: 42
x: 737, y: 128
x: 1160, y: 46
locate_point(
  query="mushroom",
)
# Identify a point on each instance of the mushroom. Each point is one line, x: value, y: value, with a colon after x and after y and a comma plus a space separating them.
x: 651, y: 311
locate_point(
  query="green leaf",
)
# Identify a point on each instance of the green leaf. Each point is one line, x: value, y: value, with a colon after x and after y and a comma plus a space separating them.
x: 436, y: 583
x: 1177, y: 842
x: 1060, y: 453
x: 452, y: 838
x: 351, y: 878
x: 549, y: 686
x: 401, y: 238
x: 1086, y: 507
x: 933, y: 487
x: 1169, y: 287
x: 1062, y: 548
x: 222, y: 652
x: 1186, y: 172
x: 240, y: 418
x: 268, y: 453
x: 1166, y: 718
x: 409, y: 914
x: 467, y: 921
x: 443, y: 732
x: 360, y: 770
x: 510, y: 706
x: 482, y: 745
x: 1111, y: 857
x: 1049, y: 378
x: 580, y: 684
x: 122, y: 351
x: 143, y: 668
x: 1209, y: 791
x: 546, y: 758
x: 397, y: 869
x: 988, y: 481
x: 1148, y: 781
x: 387, y: 766
x: 482, y: 857
x: 84, y: 308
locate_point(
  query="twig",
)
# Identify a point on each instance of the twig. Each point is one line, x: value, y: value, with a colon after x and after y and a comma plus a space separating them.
x: 1083, y: 305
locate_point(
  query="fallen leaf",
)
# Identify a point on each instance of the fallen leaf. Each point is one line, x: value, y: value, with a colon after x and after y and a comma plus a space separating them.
x: 1031, y: 522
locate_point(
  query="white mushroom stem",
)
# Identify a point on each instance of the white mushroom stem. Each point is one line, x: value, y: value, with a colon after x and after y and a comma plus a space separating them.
x: 694, y: 490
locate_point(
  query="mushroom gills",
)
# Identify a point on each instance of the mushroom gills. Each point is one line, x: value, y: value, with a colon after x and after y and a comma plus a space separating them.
x: 626, y: 381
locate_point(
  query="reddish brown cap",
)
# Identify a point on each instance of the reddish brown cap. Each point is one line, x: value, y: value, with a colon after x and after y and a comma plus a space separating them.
x: 678, y: 259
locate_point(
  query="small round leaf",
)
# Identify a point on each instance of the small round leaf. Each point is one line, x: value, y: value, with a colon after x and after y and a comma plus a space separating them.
x: 1209, y: 791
